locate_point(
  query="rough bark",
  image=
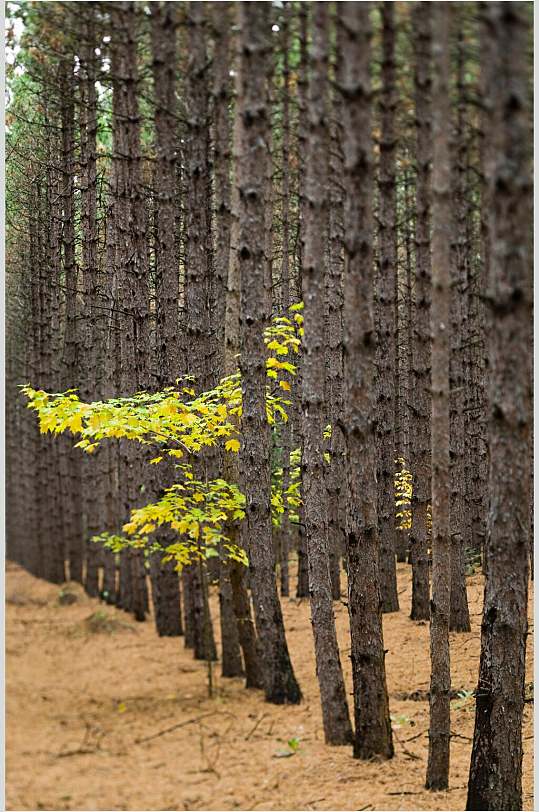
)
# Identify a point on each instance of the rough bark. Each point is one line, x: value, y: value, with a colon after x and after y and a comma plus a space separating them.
x: 70, y: 460
x: 165, y: 580
x: 280, y: 683
x: 336, y: 720
x: 236, y: 572
x: 440, y: 681
x: 386, y: 344
x: 286, y: 433
x: 93, y: 468
x: 198, y: 282
x: 371, y: 709
x: 460, y: 617
x: 420, y: 404
x: 336, y: 472
x: 495, y: 780
x: 132, y: 273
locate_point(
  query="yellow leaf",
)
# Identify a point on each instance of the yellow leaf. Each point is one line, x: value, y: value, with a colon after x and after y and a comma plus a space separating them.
x: 232, y: 445
x: 122, y: 707
x: 284, y: 385
x: 198, y: 497
x: 75, y: 424
x: 155, y: 460
x: 47, y: 423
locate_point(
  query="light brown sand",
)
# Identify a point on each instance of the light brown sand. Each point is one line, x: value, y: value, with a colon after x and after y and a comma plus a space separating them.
x: 79, y: 703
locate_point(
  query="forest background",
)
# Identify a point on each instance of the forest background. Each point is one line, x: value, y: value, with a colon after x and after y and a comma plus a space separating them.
x: 270, y: 264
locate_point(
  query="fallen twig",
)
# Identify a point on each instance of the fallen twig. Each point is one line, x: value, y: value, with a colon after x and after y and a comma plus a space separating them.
x: 460, y: 736
x: 174, y: 727
x: 405, y: 749
x: 417, y: 735
x: 404, y: 792
x: 248, y: 736
x: 80, y: 751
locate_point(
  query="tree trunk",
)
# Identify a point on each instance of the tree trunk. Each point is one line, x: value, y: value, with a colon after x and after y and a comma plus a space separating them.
x: 132, y: 267
x: 372, y: 722
x: 198, y: 265
x: 495, y: 780
x: 440, y: 681
x: 459, y: 619
x: 420, y: 403
x: 165, y: 580
x: 386, y: 327
x: 281, y: 685
x: 336, y: 720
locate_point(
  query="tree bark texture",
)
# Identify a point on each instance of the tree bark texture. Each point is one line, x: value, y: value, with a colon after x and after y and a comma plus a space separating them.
x: 495, y: 780
x: 440, y: 681
x: 280, y: 683
x: 336, y: 720
x: 371, y: 708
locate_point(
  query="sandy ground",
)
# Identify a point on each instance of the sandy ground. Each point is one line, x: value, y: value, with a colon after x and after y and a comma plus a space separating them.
x: 88, y: 714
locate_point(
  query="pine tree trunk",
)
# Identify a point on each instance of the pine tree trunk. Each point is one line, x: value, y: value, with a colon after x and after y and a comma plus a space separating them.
x: 460, y: 617
x: 336, y: 720
x: 372, y: 722
x: 440, y: 681
x: 93, y: 357
x: 132, y: 266
x: 280, y: 683
x: 165, y: 580
x: 336, y: 472
x: 386, y: 327
x: 420, y: 403
x: 198, y: 269
x: 286, y: 432
x: 495, y: 780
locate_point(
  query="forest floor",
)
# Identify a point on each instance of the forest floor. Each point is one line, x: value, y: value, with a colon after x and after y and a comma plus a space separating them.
x: 88, y: 713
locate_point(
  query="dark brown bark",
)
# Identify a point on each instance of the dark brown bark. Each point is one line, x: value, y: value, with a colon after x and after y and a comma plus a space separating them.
x: 165, y: 598
x: 420, y: 403
x: 372, y: 722
x: 165, y: 580
x: 386, y: 285
x: 280, y: 683
x: 440, y: 681
x: 284, y: 538
x: 336, y: 472
x: 231, y: 664
x: 93, y: 357
x: 460, y: 617
x: 70, y: 460
x: 495, y: 780
x: 336, y: 720
x: 235, y: 571
x: 198, y: 276
x: 132, y: 266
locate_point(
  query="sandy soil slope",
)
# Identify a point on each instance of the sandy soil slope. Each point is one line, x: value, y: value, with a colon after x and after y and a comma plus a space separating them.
x: 88, y: 714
